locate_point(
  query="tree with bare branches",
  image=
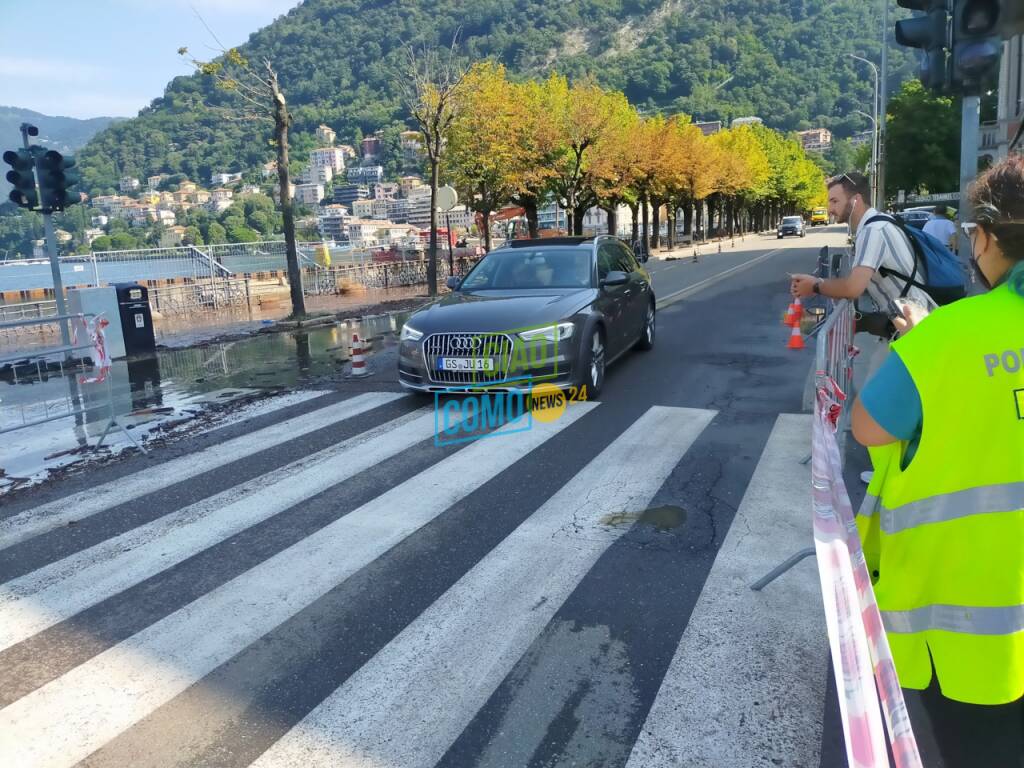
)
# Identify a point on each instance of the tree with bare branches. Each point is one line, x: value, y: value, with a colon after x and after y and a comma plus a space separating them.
x: 428, y: 86
x: 260, y: 99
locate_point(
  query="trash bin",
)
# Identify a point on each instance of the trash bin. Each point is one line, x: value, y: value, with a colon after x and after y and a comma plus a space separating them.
x: 136, y: 318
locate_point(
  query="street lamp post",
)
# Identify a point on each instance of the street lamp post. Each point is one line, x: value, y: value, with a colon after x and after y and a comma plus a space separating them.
x: 876, y: 150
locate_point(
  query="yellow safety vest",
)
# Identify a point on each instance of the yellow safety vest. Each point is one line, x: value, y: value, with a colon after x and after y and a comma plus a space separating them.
x: 944, y: 537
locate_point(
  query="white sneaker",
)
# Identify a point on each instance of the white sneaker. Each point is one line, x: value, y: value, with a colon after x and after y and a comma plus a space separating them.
x: 865, y: 477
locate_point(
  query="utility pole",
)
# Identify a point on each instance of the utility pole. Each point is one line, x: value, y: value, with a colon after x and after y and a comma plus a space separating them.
x: 876, y: 149
x: 883, y: 109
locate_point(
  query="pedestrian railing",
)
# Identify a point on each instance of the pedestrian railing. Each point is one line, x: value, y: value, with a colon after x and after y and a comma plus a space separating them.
x: 71, y: 382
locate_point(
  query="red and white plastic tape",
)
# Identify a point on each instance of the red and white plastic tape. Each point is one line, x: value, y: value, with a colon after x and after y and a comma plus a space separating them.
x: 863, y: 663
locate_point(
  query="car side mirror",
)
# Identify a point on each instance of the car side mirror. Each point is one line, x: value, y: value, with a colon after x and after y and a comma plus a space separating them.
x: 615, y: 277
x: 453, y: 283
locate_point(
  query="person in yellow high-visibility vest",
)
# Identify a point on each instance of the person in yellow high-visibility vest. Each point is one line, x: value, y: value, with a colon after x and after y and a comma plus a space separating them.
x: 943, y: 520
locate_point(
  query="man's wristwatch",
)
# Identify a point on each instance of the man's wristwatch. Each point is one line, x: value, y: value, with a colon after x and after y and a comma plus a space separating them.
x: 817, y: 286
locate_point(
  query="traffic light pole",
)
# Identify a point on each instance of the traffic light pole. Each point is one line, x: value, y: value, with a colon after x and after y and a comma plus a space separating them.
x: 969, y: 130
x: 51, y: 250
x: 883, y: 108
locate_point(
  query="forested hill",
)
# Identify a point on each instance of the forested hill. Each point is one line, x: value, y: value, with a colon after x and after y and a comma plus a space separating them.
x: 337, y: 61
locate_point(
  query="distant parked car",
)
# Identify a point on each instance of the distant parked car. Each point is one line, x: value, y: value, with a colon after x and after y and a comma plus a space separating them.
x: 915, y: 218
x: 791, y: 225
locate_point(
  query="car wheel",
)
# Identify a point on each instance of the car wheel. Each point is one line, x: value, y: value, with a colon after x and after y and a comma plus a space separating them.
x: 593, y: 364
x: 779, y: 237
x: 646, y: 340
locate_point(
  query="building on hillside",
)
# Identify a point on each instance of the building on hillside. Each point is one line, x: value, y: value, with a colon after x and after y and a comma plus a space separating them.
x: 364, y: 231
x: 419, y: 207
x: 202, y: 196
x: 325, y: 135
x: 331, y: 223
x: 225, y: 178
x: 346, y: 194
x: 746, y: 121
x: 128, y: 184
x: 460, y: 218
x: 167, y: 218
x: 361, y: 209
x: 269, y: 169
x: 816, y: 139
x: 216, y: 205
x: 154, y: 181
x: 862, y: 138
x: 219, y: 194
x: 411, y: 144
x: 92, y: 233
x: 318, y: 174
x: 173, y: 237
x: 100, y: 221
x: 348, y: 151
x: 371, y: 147
x: 328, y: 157
x: 309, y: 194
x: 368, y: 174
x: 189, y: 187
x: 408, y: 183
x: 710, y: 128
x: 63, y: 236
x: 398, y: 210
x: 384, y: 190
x: 249, y: 189
x: 276, y: 192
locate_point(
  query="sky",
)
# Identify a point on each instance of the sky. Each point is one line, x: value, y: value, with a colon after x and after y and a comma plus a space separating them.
x: 112, y: 57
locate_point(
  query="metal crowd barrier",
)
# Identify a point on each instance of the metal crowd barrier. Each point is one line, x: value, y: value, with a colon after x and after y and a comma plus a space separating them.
x: 60, y: 362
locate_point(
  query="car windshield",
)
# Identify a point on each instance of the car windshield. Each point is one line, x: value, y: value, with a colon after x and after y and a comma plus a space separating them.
x: 791, y: 220
x: 525, y: 268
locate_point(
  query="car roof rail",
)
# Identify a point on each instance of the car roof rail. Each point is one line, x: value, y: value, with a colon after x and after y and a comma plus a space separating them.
x: 530, y: 243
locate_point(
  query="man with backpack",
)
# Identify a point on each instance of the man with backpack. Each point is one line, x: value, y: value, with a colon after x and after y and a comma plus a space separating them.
x: 891, y: 261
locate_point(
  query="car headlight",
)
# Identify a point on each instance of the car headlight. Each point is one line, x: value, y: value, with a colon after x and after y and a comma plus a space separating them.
x: 558, y: 332
x: 410, y: 334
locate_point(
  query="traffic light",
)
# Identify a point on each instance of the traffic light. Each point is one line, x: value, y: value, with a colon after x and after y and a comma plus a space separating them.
x: 930, y: 33
x: 56, y: 178
x: 24, y: 194
x: 977, y: 41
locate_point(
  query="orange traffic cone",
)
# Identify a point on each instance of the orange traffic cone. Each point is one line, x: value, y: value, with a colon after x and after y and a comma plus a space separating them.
x: 797, y: 314
x: 787, y: 319
x: 358, y: 362
x: 796, y: 339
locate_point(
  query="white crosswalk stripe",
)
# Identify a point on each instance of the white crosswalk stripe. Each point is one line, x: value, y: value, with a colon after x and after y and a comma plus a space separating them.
x: 407, y: 699
x: 37, y: 520
x: 65, y: 720
x: 451, y: 659
x: 721, y: 702
x: 51, y: 594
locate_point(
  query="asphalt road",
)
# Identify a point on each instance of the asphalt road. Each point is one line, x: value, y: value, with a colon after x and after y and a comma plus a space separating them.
x: 323, y: 585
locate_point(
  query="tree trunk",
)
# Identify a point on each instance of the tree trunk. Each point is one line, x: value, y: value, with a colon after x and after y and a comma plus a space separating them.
x: 671, y: 236
x: 432, y: 261
x: 634, y: 209
x: 700, y: 216
x: 688, y: 220
x: 646, y: 217
x: 656, y: 224
x: 578, y: 214
x: 731, y: 209
x: 613, y: 221
x: 529, y: 204
x: 281, y: 121
x: 486, y: 213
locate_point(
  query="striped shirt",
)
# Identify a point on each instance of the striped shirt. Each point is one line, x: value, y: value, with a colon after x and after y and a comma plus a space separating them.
x: 883, y: 245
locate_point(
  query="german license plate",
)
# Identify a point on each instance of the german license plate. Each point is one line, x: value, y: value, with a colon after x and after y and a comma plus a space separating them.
x: 465, y: 364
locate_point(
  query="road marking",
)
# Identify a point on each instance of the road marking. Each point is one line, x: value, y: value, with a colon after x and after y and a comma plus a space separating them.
x: 453, y: 656
x: 67, y: 719
x: 708, y: 282
x: 78, y: 506
x: 748, y: 679
x: 49, y: 595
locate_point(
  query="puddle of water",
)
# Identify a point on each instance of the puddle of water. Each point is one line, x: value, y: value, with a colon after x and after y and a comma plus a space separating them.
x: 156, y: 393
x: 663, y: 519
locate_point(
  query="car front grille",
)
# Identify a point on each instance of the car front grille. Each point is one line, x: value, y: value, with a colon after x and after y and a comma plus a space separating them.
x: 439, y: 345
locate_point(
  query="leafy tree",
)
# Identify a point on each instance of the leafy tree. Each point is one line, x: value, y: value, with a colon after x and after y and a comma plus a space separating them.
x: 192, y: 236
x: 259, y: 94
x: 122, y: 241
x: 216, y: 234
x: 242, y: 234
x: 921, y: 141
x: 429, y: 83
x: 102, y: 243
